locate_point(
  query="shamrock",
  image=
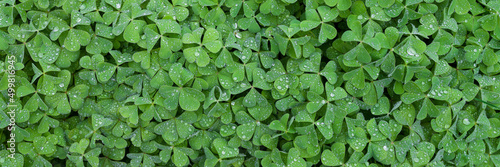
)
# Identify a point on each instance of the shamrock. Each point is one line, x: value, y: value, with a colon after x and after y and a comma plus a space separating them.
x: 47, y: 84
x: 140, y: 137
x: 72, y: 99
x: 274, y: 7
x: 100, y: 43
x: 248, y: 126
x: 125, y: 20
x: 176, y: 153
x: 245, y: 70
x: 342, y: 5
x: 188, y: 98
x: 294, y: 158
x: 334, y: 156
x: 177, y: 128
x: 326, y: 14
x: 249, y: 22
x: 100, y: 71
x: 409, y: 12
x: 80, y: 148
x: 176, y: 10
x: 35, y: 101
x: 283, y: 124
x: 225, y: 153
x: 324, y: 124
x: 310, y: 80
x: 296, y: 43
x: 216, y: 105
x: 210, y: 42
x: 168, y: 36
x: 40, y: 146
x: 478, y: 46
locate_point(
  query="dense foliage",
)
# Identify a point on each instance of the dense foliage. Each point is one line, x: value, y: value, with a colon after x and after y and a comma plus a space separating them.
x: 250, y: 82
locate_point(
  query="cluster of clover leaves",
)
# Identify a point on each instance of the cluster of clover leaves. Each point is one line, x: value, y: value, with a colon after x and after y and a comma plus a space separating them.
x: 251, y: 82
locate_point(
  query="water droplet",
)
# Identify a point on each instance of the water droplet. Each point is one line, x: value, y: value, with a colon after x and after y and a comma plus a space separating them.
x: 466, y: 121
x: 411, y: 51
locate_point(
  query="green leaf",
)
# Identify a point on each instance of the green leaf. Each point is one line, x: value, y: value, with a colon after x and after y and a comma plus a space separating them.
x: 316, y: 102
x: 179, y: 158
x: 441, y: 67
x: 360, y: 53
x: 43, y: 146
x: 328, y: 158
x: 210, y: 40
x: 77, y: 96
x: 75, y: 39
x: 405, y: 115
x: 246, y: 131
x: 133, y: 31
x: 79, y: 147
x: 374, y: 132
x: 358, y: 80
x: 7, y: 15
x: 99, y: 121
x: 223, y: 149
x: 461, y: 6
x: 389, y: 129
x: 335, y: 94
x: 105, y: 71
x: 131, y: 113
x: 168, y: 26
x: 344, y: 4
x: 261, y: 112
x: 189, y: 99
x: 179, y: 74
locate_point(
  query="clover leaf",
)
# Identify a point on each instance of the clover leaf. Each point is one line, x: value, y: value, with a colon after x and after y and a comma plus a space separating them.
x: 210, y: 42
x: 326, y: 14
x: 175, y: 129
x: 80, y: 148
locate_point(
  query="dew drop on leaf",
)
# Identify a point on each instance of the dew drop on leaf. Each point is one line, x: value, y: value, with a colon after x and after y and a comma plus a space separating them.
x: 411, y: 51
x: 466, y: 121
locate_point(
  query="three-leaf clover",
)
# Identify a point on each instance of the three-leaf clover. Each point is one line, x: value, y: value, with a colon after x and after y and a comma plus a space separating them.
x: 211, y: 42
